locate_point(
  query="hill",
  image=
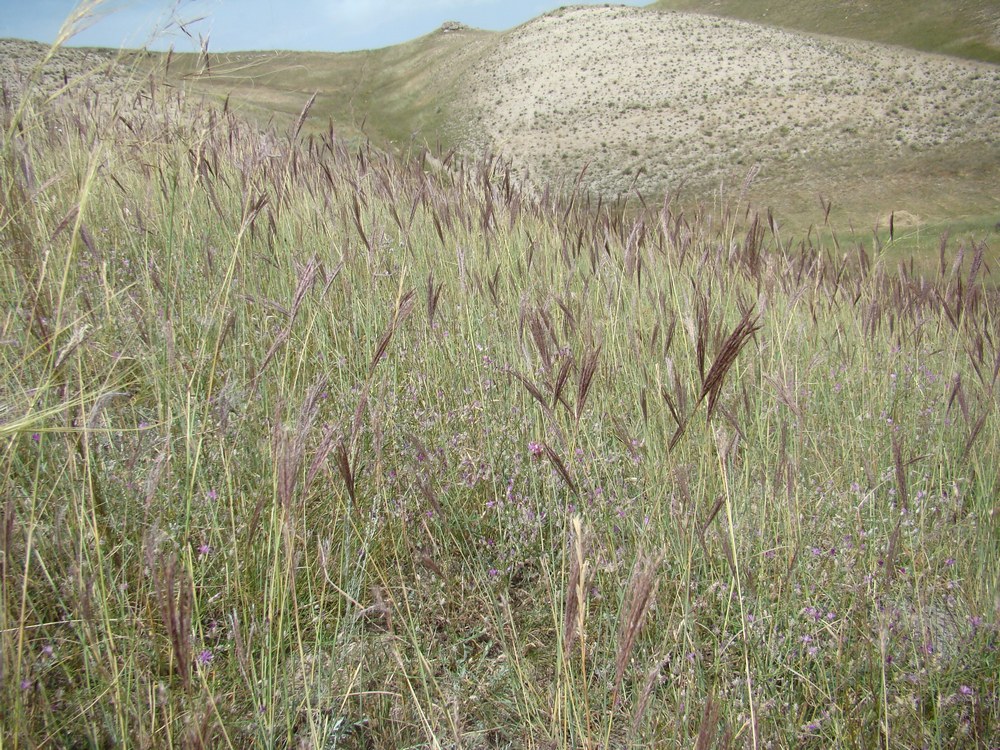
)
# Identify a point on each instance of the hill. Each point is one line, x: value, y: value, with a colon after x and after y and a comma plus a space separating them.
x: 663, y: 100
x: 660, y: 101
x: 965, y: 28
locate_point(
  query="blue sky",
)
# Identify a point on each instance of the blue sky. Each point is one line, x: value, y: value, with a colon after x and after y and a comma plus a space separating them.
x: 322, y: 25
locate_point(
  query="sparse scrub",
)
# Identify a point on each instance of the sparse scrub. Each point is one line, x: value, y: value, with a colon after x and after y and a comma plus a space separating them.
x: 303, y: 445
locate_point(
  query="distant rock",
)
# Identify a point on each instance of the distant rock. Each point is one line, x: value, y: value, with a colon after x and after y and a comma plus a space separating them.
x: 449, y: 27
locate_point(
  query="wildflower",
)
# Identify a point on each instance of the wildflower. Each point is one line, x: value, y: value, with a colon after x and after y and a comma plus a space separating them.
x: 966, y: 690
x: 204, y: 550
x: 205, y: 658
x: 212, y: 495
x: 535, y: 448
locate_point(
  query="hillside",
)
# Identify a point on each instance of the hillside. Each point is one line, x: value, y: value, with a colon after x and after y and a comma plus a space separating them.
x: 661, y: 101
x: 665, y: 100
x: 394, y: 94
x: 965, y: 28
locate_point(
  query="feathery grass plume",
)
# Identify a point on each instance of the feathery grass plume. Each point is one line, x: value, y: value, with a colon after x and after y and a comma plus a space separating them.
x: 577, y: 586
x: 731, y: 347
x: 639, y: 598
x: 290, y: 444
x: 974, y: 433
x: 346, y: 472
x: 653, y: 679
x: 560, y: 467
x: 560, y: 382
x: 173, y: 589
x: 709, y: 727
x: 588, y: 368
x: 534, y: 391
x: 433, y: 297
x: 897, y: 460
x: 404, y: 306
x: 303, y: 115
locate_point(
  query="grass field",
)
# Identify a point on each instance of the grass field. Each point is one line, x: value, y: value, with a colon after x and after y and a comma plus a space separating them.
x: 311, y: 446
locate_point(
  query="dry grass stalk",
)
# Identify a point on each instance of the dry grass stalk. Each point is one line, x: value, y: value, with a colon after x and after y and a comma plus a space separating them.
x: 712, y: 383
x: 346, y: 473
x: 577, y: 586
x: 897, y: 459
x: 653, y: 678
x: 709, y: 727
x: 404, y: 306
x: 561, y: 377
x: 639, y: 598
x: 175, y: 611
x: 588, y: 368
x: 560, y: 467
x: 433, y: 296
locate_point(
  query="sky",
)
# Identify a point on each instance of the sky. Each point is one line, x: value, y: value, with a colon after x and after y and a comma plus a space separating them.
x: 318, y: 25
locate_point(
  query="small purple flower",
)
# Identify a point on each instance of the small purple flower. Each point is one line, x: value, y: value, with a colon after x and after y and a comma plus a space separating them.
x: 47, y: 650
x: 36, y: 437
x: 966, y: 690
x: 204, y: 550
x: 950, y: 561
x: 212, y: 495
x: 205, y: 658
x: 535, y: 448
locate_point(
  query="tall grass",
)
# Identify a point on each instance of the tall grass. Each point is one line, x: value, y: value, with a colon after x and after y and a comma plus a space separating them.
x: 305, y: 446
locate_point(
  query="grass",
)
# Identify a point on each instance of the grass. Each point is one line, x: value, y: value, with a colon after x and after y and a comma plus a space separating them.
x: 308, y: 446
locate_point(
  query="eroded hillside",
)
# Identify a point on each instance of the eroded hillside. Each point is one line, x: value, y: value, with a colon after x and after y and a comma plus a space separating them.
x: 660, y: 100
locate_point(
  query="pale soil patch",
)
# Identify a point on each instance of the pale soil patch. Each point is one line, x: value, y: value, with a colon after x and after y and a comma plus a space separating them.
x: 664, y: 99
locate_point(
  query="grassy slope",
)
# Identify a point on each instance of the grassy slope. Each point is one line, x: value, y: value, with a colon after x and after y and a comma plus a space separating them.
x: 391, y: 94
x: 966, y: 28
x: 405, y: 93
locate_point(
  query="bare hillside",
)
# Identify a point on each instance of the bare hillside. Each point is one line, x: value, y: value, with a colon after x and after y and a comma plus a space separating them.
x: 665, y: 99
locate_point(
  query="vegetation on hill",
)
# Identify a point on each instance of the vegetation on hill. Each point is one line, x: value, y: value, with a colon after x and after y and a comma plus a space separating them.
x: 394, y: 95
x: 966, y: 28
x: 311, y: 446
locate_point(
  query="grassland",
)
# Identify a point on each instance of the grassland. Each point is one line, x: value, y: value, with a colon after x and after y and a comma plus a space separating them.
x: 655, y: 103
x: 306, y: 446
x: 396, y: 96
